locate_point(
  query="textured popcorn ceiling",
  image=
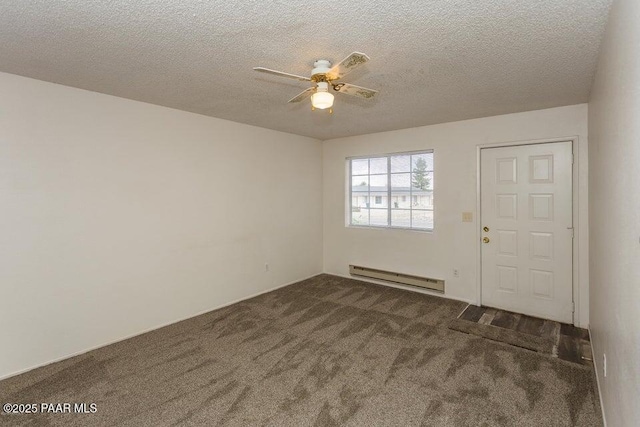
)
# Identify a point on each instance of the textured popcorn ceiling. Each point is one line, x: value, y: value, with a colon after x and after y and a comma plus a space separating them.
x: 432, y: 61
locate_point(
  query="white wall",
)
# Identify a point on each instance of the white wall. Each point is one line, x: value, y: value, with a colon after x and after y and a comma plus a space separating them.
x: 118, y: 216
x: 614, y: 185
x: 453, y: 244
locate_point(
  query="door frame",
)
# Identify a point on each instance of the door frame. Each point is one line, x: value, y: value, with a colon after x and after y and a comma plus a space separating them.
x: 575, y: 267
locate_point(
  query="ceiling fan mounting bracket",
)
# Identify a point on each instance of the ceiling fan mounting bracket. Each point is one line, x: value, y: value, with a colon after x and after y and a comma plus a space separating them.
x: 322, y: 65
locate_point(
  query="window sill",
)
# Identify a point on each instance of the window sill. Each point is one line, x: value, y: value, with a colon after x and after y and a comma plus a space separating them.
x: 373, y: 227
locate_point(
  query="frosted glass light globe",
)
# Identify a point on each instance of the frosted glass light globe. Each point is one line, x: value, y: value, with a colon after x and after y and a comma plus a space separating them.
x: 322, y: 100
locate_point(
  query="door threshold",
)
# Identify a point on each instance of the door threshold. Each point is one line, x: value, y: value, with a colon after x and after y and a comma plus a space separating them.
x: 559, y: 340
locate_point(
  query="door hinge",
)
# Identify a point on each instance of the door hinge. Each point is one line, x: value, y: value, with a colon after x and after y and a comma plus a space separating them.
x: 573, y: 307
x: 572, y: 158
x: 572, y: 231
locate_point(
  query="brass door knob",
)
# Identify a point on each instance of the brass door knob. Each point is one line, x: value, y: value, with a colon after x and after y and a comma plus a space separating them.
x: 485, y: 240
x: 485, y: 229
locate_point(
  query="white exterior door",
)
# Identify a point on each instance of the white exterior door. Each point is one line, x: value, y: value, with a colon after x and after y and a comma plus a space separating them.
x: 526, y: 220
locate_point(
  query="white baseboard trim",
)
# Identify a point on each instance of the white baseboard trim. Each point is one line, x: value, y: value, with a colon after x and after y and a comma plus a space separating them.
x: 595, y: 368
x: 401, y: 286
x: 69, y: 356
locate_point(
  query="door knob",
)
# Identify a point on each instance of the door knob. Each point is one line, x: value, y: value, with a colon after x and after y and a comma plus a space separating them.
x: 485, y: 240
x: 485, y: 229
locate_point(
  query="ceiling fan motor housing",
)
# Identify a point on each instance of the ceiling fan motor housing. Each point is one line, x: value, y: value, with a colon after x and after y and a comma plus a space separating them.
x: 320, y: 69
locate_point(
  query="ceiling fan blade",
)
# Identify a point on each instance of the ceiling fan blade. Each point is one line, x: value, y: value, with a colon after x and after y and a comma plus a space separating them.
x: 282, y: 74
x: 347, y: 65
x: 303, y: 95
x: 354, y: 90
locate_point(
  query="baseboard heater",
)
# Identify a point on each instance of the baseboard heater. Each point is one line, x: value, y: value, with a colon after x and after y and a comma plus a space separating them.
x: 406, y: 279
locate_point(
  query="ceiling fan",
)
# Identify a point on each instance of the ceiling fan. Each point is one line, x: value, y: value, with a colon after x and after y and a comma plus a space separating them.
x: 324, y: 75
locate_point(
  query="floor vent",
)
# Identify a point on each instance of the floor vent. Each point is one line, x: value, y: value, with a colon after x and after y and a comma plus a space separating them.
x: 406, y: 279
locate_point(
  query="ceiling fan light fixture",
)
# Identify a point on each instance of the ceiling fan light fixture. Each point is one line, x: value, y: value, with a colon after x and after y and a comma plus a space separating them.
x: 322, y: 99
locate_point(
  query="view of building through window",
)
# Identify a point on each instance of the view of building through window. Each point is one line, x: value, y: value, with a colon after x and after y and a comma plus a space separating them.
x: 392, y: 191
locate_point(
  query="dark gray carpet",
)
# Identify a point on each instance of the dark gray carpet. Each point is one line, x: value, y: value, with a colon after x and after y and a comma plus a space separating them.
x: 326, y: 351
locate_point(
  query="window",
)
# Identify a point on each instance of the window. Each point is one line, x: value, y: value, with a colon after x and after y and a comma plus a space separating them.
x: 400, y: 187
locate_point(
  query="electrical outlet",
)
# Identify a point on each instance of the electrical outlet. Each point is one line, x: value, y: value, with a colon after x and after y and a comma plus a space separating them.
x: 604, y: 364
x: 266, y: 266
x: 456, y: 272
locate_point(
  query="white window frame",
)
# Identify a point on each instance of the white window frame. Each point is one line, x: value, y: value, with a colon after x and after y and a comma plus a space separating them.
x: 389, y: 202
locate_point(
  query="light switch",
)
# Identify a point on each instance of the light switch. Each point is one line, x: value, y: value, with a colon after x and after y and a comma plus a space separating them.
x: 467, y: 217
